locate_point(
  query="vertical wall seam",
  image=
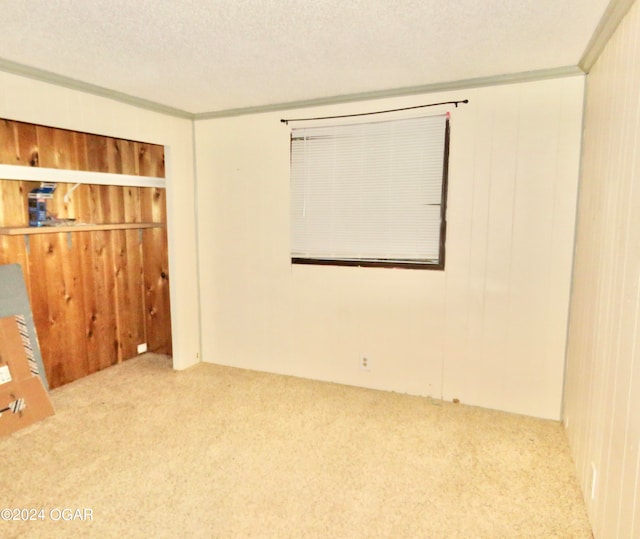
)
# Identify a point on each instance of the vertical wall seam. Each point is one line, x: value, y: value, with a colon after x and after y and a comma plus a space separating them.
x: 197, y: 235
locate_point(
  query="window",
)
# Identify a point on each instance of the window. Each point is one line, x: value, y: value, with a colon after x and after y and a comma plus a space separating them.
x: 370, y: 194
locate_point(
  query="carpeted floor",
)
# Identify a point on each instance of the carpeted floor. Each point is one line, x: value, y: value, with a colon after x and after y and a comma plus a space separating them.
x: 227, y: 453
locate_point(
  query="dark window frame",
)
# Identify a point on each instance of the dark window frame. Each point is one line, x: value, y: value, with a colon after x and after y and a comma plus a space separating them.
x: 409, y: 264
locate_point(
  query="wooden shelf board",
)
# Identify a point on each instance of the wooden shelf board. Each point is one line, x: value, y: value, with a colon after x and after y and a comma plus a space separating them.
x: 22, y: 230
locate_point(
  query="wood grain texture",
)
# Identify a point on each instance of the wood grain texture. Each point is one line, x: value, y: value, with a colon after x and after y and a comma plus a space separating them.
x: 61, y: 338
x: 27, y: 144
x: 156, y: 272
x: 8, y: 151
x: 95, y: 295
x: 44, y: 146
x: 30, y: 230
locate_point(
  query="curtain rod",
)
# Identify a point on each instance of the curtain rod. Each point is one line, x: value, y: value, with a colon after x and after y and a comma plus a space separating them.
x: 456, y: 103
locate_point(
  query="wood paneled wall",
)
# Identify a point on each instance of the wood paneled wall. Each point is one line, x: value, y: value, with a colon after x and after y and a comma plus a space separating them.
x: 489, y: 330
x: 602, y: 388
x: 41, y: 146
x: 95, y: 295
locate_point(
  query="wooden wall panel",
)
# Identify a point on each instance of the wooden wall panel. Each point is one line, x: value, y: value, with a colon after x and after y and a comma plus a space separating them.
x: 121, y: 157
x: 150, y: 159
x: 19, y: 143
x: 81, y: 161
x: 8, y: 150
x: 55, y: 277
x: 27, y: 145
x: 96, y: 150
x: 156, y: 282
x: 36, y: 145
x: 132, y: 205
x: 95, y: 295
x: 104, y: 322
x: 602, y: 388
x: 13, y: 211
x: 487, y: 330
x: 156, y: 272
x: 56, y: 148
x: 129, y: 287
x: 130, y: 269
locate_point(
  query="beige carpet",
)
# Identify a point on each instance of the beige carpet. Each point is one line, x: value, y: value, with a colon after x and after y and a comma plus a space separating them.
x: 221, y: 452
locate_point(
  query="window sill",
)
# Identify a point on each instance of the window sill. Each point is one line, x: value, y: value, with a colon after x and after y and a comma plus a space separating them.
x: 426, y: 265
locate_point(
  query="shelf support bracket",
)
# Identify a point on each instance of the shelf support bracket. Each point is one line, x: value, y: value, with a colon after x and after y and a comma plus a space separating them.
x: 67, y: 196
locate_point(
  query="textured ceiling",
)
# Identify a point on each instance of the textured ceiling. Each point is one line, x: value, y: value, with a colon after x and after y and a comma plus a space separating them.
x: 209, y: 55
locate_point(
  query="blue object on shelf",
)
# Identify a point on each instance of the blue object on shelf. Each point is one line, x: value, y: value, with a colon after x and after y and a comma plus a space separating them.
x: 38, y: 203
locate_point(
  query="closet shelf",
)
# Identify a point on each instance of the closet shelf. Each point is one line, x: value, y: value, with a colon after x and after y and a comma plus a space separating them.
x: 43, y: 174
x: 24, y: 230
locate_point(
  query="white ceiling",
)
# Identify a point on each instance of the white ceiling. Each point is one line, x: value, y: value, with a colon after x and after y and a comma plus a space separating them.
x: 201, y: 56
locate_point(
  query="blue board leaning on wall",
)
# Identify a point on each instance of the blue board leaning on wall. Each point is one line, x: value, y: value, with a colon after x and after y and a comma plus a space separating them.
x: 14, y: 301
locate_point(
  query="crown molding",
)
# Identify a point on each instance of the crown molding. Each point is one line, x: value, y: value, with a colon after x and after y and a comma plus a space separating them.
x: 73, y: 84
x: 497, y: 80
x: 611, y: 19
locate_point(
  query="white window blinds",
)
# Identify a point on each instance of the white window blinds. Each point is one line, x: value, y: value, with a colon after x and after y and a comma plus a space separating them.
x: 369, y: 192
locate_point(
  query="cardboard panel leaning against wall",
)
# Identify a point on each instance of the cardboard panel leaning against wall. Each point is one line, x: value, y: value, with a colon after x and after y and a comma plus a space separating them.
x: 14, y: 301
x: 95, y: 295
x: 23, y: 397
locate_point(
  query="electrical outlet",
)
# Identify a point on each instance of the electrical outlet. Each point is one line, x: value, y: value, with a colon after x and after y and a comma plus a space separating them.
x: 365, y: 363
x: 594, y: 477
x: 142, y: 348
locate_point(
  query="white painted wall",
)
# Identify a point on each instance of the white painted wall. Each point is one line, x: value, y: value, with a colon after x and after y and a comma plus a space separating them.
x: 28, y: 100
x: 602, y: 392
x: 489, y: 330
